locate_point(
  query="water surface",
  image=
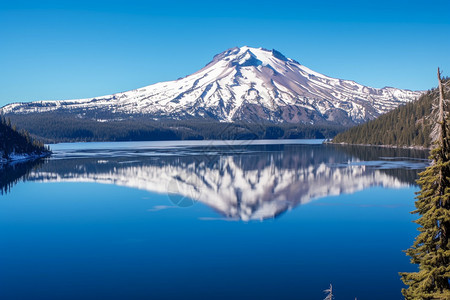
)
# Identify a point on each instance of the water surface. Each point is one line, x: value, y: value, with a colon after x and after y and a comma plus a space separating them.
x: 220, y: 220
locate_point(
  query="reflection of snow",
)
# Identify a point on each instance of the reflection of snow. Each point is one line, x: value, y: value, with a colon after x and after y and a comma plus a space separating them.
x: 161, y: 207
x: 235, y: 192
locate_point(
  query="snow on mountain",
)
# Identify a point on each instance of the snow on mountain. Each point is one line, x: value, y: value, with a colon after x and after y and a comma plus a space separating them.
x: 245, y: 84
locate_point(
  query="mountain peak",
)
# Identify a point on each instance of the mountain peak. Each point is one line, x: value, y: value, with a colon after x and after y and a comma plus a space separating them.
x: 264, y: 52
x: 241, y: 84
x: 259, y: 53
x: 246, y: 56
x: 245, y: 59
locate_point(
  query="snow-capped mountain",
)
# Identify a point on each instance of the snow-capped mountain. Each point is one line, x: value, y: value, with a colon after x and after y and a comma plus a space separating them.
x: 245, y: 84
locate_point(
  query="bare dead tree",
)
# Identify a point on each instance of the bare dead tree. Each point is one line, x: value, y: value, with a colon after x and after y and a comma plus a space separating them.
x: 330, y: 293
x: 439, y: 116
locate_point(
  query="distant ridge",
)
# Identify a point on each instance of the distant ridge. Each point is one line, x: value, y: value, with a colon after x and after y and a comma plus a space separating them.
x: 408, y: 125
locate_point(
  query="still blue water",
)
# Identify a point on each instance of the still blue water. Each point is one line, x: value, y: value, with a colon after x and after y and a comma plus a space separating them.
x: 195, y: 220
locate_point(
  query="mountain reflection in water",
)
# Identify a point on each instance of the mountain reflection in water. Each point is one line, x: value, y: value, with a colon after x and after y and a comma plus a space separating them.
x: 240, y: 181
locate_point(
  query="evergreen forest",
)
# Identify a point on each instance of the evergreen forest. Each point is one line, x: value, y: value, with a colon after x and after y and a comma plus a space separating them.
x: 13, y: 141
x: 58, y: 127
x: 408, y: 125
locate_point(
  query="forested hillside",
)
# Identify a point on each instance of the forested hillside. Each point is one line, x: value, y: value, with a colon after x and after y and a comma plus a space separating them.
x: 406, y: 126
x: 13, y: 142
x: 69, y: 128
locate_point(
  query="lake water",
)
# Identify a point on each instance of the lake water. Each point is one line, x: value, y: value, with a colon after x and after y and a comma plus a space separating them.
x: 208, y: 220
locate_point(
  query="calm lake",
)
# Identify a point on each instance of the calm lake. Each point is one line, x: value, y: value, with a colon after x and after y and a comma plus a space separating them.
x: 208, y: 220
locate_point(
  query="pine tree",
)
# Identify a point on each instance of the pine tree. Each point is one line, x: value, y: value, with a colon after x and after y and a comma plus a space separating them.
x: 431, y: 249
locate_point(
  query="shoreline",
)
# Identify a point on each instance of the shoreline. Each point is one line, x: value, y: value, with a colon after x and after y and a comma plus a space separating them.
x: 382, y: 146
x: 21, y: 158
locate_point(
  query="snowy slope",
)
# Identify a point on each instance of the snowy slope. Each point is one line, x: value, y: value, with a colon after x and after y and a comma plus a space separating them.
x: 245, y: 84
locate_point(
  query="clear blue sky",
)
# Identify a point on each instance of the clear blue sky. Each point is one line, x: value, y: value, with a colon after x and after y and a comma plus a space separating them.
x: 77, y: 49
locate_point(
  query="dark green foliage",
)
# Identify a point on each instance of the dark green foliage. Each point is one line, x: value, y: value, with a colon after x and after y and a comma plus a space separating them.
x: 405, y: 126
x: 431, y: 248
x: 58, y: 127
x: 13, y: 141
